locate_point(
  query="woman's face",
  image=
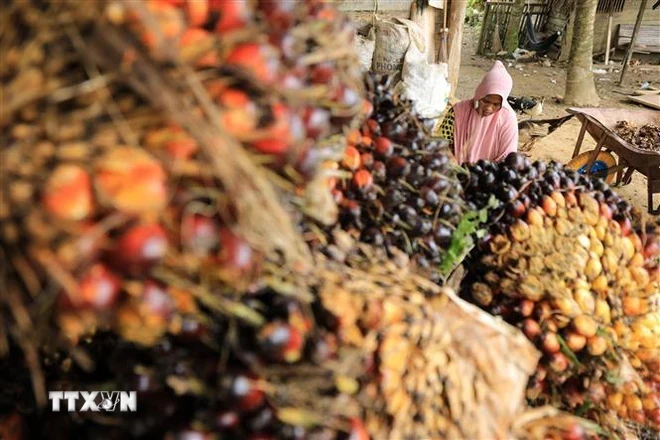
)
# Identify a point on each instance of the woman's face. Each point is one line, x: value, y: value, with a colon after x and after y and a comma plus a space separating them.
x: 489, y: 104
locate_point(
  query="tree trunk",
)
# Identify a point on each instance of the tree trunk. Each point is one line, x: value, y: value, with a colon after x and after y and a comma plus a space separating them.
x: 512, y: 31
x: 456, y: 20
x: 580, y: 87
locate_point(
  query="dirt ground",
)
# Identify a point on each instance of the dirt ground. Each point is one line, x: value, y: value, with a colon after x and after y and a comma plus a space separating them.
x: 534, y: 79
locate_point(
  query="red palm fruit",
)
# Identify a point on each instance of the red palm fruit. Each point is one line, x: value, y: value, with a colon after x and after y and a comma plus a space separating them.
x: 278, y: 135
x: 68, y: 193
x: 140, y: 248
x: 325, y: 348
x: 337, y: 195
x: 98, y: 288
x: 653, y: 416
x: 227, y: 420
x: 358, y: 431
x: 240, y: 113
x: 192, y: 330
x: 550, y: 342
x: 322, y: 73
x: 200, y: 234
x: 281, y: 342
x: 558, y: 362
x: 156, y: 300
x: 308, y: 163
x: 362, y: 180
x: 351, y: 159
x: 317, y: 122
x: 354, y: 138
x: 131, y: 180
x: 367, y: 108
x: 531, y: 328
x: 346, y: 96
x: 549, y: 206
x: 234, y: 14
x: 245, y: 390
x: 291, y: 81
x: 182, y: 148
x: 260, y: 60
x: 626, y: 226
x: 518, y: 208
x: 170, y: 22
x: 575, y: 432
x: 526, y: 307
x: 367, y: 160
x: 384, y: 146
x: 235, y: 253
x: 652, y: 249
x: 605, y: 211
x: 195, y: 40
x: 280, y: 13
x: 197, y: 12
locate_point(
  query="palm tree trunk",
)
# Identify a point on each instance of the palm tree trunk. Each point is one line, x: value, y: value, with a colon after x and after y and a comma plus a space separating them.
x: 580, y: 87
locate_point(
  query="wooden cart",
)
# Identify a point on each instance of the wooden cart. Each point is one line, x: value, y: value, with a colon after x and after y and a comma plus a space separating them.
x: 599, y: 123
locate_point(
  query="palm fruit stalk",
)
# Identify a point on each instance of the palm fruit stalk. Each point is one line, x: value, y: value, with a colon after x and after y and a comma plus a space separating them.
x: 564, y: 262
x: 396, y: 186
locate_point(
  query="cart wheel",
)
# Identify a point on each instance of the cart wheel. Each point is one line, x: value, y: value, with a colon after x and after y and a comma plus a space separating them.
x: 604, y: 162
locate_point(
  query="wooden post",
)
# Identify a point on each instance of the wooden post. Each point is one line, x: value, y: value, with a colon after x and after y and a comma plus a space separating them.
x: 629, y: 53
x: 456, y: 20
x: 425, y: 18
x: 609, y: 39
x: 442, y: 50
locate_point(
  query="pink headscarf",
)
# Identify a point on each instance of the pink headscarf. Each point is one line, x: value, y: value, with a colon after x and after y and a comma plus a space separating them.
x: 491, y: 137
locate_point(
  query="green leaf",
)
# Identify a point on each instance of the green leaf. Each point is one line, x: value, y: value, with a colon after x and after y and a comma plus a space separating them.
x: 567, y: 351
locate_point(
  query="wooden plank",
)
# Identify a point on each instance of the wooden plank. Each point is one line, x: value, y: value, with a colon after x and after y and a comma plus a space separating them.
x: 652, y: 101
x: 626, y: 30
x: 647, y: 38
x: 370, y: 5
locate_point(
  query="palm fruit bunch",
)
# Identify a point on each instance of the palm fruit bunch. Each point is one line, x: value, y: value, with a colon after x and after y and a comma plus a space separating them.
x: 397, y: 187
x: 125, y: 146
x: 434, y: 367
x: 133, y: 208
x: 564, y: 261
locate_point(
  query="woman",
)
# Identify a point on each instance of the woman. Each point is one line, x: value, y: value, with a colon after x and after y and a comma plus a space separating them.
x: 484, y: 127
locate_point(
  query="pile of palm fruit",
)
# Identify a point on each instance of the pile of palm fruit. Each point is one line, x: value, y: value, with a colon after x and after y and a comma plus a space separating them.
x: 578, y: 271
x: 398, y: 187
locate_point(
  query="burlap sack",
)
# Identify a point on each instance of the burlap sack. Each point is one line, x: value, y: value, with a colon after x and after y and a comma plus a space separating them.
x: 393, y: 38
x: 365, y: 48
